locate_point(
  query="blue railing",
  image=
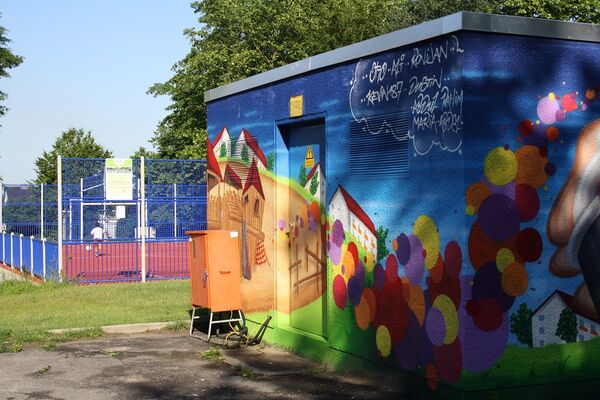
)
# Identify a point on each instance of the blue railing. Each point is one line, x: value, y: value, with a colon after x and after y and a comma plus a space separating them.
x: 30, y: 255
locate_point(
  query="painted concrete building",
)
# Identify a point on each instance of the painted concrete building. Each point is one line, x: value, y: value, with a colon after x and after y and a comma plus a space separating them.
x: 472, y: 141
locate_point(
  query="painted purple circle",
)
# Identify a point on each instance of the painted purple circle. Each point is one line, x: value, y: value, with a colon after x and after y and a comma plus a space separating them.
x: 281, y: 224
x: 550, y: 169
x: 415, y: 267
x: 560, y: 115
x: 337, y: 233
x: 378, y: 276
x: 498, y: 217
x: 508, y: 190
x: 487, y: 282
x: 355, y: 288
x: 435, y: 325
x: 359, y: 271
x: 480, y: 350
x: 408, y: 350
x: 335, y: 254
x: 546, y: 110
x: 403, y: 252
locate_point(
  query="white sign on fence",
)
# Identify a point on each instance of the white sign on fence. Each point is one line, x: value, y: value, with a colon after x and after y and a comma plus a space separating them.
x: 119, y: 178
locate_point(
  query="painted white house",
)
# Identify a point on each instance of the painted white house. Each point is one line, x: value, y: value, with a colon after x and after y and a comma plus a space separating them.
x: 316, y: 170
x: 245, y: 139
x: 343, y: 207
x: 223, y: 138
x: 544, y: 320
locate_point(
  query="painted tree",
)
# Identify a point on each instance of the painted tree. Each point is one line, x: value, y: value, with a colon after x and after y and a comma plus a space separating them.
x: 72, y: 143
x: 223, y: 151
x: 314, y: 183
x: 8, y: 60
x: 566, y: 329
x: 270, y: 161
x: 302, y: 179
x: 520, y: 325
x: 244, y: 154
x: 382, y: 249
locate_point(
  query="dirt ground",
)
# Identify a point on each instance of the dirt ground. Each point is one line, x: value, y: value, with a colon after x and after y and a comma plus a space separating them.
x: 169, y: 365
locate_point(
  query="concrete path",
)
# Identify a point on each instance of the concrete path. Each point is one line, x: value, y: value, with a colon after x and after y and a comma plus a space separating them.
x: 169, y: 365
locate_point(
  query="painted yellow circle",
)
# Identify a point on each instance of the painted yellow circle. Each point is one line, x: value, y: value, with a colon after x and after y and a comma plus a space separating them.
x: 500, y: 166
x: 370, y: 264
x: 504, y: 258
x: 427, y: 233
x: 470, y: 210
x: 446, y: 306
x: 383, y: 341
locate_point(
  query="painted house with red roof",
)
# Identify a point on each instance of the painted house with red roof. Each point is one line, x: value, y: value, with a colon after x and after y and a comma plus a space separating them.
x: 354, y: 219
x: 222, y: 139
x: 544, y: 320
x: 321, y: 185
x: 245, y: 139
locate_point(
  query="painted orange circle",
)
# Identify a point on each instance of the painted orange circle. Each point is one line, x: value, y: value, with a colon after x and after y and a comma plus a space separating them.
x: 515, y: 280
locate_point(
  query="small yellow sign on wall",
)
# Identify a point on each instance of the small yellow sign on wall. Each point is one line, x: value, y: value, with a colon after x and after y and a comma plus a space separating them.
x: 309, y: 160
x: 296, y: 106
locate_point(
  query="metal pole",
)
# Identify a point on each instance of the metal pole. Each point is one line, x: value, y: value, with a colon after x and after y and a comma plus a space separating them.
x: 3, y: 247
x: 70, y: 219
x: 81, y: 209
x: 59, y: 217
x: 44, y: 258
x: 21, y: 251
x: 12, y: 262
x: 174, y: 210
x: 42, y: 210
x: 143, y: 215
x: 31, y: 252
x: 1, y: 205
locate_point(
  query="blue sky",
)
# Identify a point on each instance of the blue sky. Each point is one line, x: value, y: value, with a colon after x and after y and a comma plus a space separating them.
x: 87, y: 65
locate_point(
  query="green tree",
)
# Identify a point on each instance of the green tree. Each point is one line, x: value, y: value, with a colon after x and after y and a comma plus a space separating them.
x: 566, y: 329
x: 143, y: 152
x: 302, y: 179
x: 223, y: 151
x: 382, y: 249
x: 270, y: 161
x: 237, y: 39
x: 520, y: 325
x: 8, y: 60
x: 72, y: 143
x: 244, y: 154
x: 314, y: 183
x: 576, y: 11
x: 412, y: 12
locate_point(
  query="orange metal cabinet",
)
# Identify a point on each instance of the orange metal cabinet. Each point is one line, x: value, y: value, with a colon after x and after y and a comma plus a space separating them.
x: 215, y: 270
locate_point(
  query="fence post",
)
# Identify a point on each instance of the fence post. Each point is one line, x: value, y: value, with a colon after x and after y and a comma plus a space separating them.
x: 59, y: 216
x: 1, y: 204
x: 31, y: 252
x: 21, y: 251
x: 3, y: 247
x: 80, y: 208
x: 143, y: 215
x: 174, y: 210
x: 44, y: 258
x: 12, y: 264
x: 42, y: 210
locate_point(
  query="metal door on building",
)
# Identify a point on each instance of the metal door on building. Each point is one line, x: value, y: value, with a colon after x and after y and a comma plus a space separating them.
x: 307, y: 251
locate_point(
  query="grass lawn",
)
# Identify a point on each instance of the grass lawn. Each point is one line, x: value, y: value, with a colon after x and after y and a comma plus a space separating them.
x: 27, y: 311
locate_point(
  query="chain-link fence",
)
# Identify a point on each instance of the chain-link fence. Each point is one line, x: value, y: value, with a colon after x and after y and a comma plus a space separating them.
x: 142, y: 209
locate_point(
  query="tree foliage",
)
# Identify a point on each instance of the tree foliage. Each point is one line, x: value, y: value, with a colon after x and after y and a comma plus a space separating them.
x: 566, y: 329
x: 239, y: 38
x: 302, y: 177
x: 244, y: 154
x: 8, y: 60
x: 72, y: 143
x: 314, y: 183
x: 235, y: 39
x: 520, y: 325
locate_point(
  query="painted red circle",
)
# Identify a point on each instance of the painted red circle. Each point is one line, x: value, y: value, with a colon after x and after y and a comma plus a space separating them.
x: 340, y: 293
x: 529, y: 245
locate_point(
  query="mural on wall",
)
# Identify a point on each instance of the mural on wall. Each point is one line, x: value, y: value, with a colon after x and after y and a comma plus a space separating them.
x: 471, y: 265
x: 422, y: 82
x: 238, y: 194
